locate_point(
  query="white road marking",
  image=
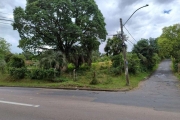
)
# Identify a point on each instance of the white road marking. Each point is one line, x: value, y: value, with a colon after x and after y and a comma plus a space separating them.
x: 22, y: 104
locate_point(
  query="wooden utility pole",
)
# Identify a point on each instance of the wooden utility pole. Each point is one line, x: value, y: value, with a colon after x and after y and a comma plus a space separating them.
x: 124, y: 54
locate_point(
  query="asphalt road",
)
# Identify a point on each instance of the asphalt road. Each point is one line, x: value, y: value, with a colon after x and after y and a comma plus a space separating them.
x: 157, y: 98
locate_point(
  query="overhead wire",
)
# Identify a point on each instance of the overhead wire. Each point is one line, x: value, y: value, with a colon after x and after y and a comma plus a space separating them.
x: 5, y: 23
x: 6, y: 20
x: 130, y: 34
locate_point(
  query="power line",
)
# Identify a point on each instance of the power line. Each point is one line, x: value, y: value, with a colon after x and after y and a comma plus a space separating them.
x: 130, y: 34
x: 130, y: 42
x: 6, y: 20
x: 5, y: 13
x: 5, y: 23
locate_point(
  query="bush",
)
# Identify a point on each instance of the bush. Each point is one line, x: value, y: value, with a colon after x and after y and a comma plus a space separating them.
x: 48, y: 74
x: 175, y: 64
x: 117, y: 64
x: 133, y: 63
x: 2, y: 65
x: 36, y: 74
x: 84, y: 67
x: 116, y: 70
x: 17, y: 73
x: 16, y: 61
x: 71, y: 67
x: 156, y: 58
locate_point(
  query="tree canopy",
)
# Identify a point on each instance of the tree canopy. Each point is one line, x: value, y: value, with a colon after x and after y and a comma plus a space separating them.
x: 4, y: 46
x: 169, y: 41
x: 146, y: 49
x: 114, y: 46
x: 63, y: 25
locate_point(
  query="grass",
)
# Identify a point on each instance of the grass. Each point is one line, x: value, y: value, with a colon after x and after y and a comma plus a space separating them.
x: 105, y: 80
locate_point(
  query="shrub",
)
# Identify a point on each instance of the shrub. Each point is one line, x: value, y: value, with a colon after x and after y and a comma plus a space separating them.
x: 84, y: 67
x: 117, y: 64
x: 37, y: 74
x: 2, y: 64
x: 17, y: 73
x: 116, y: 70
x: 133, y: 63
x: 175, y: 64
x: 48, y: 74
x: 16, y: 61
x: 71, y: 67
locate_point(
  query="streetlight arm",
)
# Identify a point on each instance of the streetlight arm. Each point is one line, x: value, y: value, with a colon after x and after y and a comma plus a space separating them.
x: 134, y: 12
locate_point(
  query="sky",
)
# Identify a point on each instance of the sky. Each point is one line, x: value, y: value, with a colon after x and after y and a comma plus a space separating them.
x: 145, y: 23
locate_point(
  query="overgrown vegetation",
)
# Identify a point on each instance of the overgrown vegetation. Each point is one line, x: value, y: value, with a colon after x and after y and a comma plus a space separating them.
x: 59, y: 51
x: 51, y: 69
x: 169, y: 43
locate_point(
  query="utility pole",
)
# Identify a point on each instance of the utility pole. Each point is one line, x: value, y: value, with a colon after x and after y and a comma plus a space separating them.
x: 124, y: 54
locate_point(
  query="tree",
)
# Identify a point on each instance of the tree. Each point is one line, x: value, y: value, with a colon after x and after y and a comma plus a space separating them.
x: 114, y: 46
x: 4, y: 46
x: 146, y: 49
x: 52, y: 59
x: 169, y: 41
x: 61, y: 25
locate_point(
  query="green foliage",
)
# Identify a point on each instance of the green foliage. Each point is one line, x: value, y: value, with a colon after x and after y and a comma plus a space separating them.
x: 94, y: 80
x: 60, y: 79
x: 49, y: 23
x: 2, y: 64
x: 7, y: 57
x: 84, y: 67
x: 71, y: 67
x: 113, y: 46
x: 133, y: 63
x: 169, y: 43
x: 4, y: 46
x: 16, y: 61
x: 116, y: 70
x: 156, y: 58
x: 146, y: 49
x: 103, y: 58
x: 36, y: 74
x: 28, y: 55
x: 48, y: 74
x: 52, y: 59
x: 95, y: 56
x: 17, y: 73
x: 117, y: 64
x: 175, y: 64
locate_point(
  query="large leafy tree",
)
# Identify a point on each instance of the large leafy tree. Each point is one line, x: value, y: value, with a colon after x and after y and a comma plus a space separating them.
x: 62, y: 25
x: 169, y: 41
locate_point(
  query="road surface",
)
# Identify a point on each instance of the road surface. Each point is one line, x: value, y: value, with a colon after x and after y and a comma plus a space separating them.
x: 157, y: 98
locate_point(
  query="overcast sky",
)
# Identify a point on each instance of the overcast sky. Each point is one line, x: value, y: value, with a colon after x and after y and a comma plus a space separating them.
x: 145, y: 23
